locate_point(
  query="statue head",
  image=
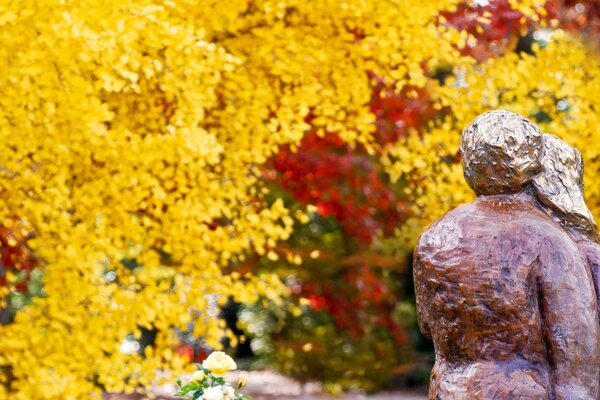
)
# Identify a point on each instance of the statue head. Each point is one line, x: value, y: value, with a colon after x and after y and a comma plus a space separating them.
x: 501, y: 152
x: 560, y: 187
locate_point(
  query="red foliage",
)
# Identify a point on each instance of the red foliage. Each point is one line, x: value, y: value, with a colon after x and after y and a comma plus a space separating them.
x: 576, y: 15
x: 495, y: 26
x: 397, y: 113
x: 343, y: 182
x: 15, y: 255
x: 193, y: 353
x: 358, y: 300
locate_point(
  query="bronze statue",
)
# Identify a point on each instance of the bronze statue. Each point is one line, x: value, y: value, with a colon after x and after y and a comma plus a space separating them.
x: 503, y: 283
x: 560, y: 190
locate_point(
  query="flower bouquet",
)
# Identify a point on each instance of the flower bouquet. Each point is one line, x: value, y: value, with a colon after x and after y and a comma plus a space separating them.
x: 208, y: 382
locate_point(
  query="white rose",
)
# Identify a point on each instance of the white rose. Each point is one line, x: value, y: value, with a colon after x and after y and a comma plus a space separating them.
x: 219, y: 363
x: 198, y: 376
x: 213, y: 393
x: 243, y: 379
x: 228, y: 392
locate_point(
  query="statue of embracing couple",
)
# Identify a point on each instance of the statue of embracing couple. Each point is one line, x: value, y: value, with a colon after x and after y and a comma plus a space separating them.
x: 507, y: 286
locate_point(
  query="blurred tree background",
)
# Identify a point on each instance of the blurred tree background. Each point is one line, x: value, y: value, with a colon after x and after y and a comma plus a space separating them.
x: 365, y: 209
x: 164, y: 159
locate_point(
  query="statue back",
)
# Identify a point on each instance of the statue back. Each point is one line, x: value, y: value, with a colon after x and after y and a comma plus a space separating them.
x: 480, y: 269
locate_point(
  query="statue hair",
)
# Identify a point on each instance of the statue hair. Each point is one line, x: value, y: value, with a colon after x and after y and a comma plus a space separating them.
x: 501, y: 152
x: 559, y: 187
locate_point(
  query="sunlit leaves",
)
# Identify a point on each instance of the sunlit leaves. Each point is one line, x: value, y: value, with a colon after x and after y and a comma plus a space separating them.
x: 131, y: 135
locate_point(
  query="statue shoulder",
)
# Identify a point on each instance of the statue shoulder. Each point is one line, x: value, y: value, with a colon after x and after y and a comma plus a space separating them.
x: 485, y: 224
x: 448, y: 226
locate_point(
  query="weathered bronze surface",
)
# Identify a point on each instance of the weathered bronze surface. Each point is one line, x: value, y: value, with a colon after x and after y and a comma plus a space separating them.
x: 504, y: 284
x: 500, y: 150
x: 560, y: 190
x: 560, y: 187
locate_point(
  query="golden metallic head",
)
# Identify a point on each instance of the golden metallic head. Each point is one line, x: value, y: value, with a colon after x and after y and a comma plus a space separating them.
x: 501, y: 152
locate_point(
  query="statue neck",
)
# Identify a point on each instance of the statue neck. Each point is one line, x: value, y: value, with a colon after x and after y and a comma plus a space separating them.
x: 526, y: 195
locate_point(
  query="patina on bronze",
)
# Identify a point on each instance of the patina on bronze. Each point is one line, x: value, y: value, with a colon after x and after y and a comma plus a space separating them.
x: 560, y: 190
x: 560, y: 187
x: 503, y: 283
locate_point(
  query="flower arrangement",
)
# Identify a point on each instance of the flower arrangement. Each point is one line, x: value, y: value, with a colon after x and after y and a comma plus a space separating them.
x: 208, y: 382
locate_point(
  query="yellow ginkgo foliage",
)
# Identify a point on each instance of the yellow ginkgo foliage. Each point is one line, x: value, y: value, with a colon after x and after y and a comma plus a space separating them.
x: 557, y: 87
x: 132, y: 134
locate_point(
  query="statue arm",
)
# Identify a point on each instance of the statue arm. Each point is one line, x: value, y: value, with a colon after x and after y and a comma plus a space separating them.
x: 591, y: 250
x: 570, y: 318
x: 422, y: 315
